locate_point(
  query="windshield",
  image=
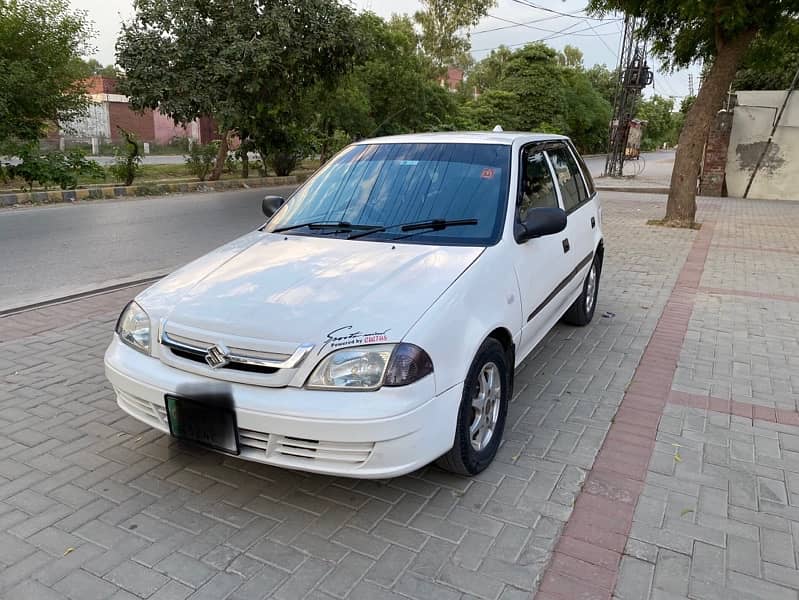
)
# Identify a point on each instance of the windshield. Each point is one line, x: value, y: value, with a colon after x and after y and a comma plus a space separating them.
x: 389, y: 185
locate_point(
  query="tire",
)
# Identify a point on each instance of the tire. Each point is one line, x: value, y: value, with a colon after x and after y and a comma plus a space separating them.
x: 582, y: 311
x: 473, y: 451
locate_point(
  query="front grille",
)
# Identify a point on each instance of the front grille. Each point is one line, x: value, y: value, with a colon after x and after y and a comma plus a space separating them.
x: 340, y: 452
x: 143, y: 409
x: 241, y: 360
x: 295, y: 450
x: 253, y: 439
x: 199, y: 357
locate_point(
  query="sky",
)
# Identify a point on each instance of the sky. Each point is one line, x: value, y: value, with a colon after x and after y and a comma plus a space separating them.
x: 598, y: 40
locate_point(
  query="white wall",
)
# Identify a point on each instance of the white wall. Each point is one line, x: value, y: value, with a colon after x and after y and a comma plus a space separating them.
x: 753, y: 119
x: 96, y: 123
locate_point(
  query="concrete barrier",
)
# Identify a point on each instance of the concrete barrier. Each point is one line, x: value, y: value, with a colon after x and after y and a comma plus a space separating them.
x: 144, y: 189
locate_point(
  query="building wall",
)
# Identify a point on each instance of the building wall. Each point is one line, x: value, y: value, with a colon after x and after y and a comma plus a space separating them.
x: 110, y: 110
x: 753, y: 119
x: 122, y: 116
x: 712, y: 182
x: 165, y: 129
x: 94, y: 124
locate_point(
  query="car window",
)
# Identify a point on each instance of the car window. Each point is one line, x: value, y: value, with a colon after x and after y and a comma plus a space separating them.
x: 589, y: 181
x: 389, y: 184
x: 569, y: 178
x: 538, y: 188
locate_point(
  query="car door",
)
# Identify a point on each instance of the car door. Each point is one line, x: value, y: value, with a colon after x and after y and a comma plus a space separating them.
x: 578, y: 242
x: 540, y: 263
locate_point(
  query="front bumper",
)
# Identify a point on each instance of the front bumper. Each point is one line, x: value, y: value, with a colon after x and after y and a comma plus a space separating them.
x: 380, y: 434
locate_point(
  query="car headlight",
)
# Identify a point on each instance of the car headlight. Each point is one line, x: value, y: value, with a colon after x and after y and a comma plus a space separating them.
x: 370, y: 367
x: 133, y: 328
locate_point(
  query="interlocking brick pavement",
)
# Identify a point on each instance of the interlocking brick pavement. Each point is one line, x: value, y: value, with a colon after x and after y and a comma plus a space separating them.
x: 714, y: 404
x: 95, y: 505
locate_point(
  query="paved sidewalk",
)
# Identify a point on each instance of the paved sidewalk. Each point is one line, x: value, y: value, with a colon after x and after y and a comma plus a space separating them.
x: 690, y: 489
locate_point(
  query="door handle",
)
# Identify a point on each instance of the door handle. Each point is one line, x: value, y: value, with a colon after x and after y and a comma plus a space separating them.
x: 593, y: 222
x: 566, y: 245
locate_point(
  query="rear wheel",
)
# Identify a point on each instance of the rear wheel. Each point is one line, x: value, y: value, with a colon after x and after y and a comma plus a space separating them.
x: 582, y: 311
x: 481, y: 418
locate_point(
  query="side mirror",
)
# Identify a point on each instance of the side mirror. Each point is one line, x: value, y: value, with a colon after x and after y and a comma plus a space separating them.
x: 271, y: 204
x: 540, y: 222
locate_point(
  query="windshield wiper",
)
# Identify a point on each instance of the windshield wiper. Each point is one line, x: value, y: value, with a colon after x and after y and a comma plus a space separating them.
x: 437, y: 224
x: 340, y: 225
x: 434, y: 224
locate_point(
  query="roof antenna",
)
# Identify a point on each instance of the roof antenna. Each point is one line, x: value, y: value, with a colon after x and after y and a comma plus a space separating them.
x: 498, y: 129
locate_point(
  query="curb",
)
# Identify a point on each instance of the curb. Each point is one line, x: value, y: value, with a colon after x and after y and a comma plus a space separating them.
x: 632, y: 190
x: 144, y: 189
x: 89, y: 293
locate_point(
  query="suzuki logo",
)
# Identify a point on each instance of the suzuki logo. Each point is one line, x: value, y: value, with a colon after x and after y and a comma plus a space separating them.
x: 218, y: 356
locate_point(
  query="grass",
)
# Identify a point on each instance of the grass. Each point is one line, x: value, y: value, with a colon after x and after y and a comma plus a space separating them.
x: 177, y: 173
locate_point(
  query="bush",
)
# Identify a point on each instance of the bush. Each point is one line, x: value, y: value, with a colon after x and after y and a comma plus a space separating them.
x: 231, y: 163
x: 200, y: 159
x: 283, y: 163
x: 260, y: 167
x: 56, y: 167
x: 127, y: 159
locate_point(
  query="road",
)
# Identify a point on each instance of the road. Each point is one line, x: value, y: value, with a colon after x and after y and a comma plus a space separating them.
x: 651, y: 165
x: 53, y: 251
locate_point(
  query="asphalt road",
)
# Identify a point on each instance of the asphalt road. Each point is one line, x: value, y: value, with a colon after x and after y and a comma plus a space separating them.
x: 50, y: 252
x: 54, y: 251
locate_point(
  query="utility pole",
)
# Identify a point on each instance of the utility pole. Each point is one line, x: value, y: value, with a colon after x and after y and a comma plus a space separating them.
x: 691, y: 84
x: 634, y: 76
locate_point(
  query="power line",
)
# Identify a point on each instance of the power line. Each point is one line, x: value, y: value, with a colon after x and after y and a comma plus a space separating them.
x: 575, y: 15
x: 665, y: 81
x: 473, y: 33
x: 561, y: 33
x: 602, y: 39
x: 528, y: 26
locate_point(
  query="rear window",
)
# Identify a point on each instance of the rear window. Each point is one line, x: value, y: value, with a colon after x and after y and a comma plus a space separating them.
x: 393, y: 184
x: 569, y: 177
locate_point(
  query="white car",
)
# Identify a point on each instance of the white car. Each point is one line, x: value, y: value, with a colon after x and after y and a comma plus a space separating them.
x: 373, y: 324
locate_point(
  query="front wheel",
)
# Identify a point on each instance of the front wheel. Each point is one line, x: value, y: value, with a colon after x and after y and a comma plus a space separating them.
x: 481, y: 418
x: 582, y: 311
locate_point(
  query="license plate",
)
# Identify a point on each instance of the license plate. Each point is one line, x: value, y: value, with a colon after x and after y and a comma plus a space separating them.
x: 208, y: 426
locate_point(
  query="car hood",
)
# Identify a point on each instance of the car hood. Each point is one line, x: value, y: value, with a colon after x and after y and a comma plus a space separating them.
x: 302, y: 289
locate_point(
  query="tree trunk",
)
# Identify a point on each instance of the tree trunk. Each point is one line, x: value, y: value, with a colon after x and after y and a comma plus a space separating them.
x: 681, y: 206
x: 245, y: 165
x: 221, y: 155
x: 327, y: 128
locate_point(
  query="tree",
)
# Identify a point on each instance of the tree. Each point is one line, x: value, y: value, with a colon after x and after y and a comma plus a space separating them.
x: 571, y: 57
x: 95, y: 67
x: 683, y: 31
x: 491, y: 108
x: 531, y: 89
x: 604, y: 81
x: 41, y: 72
x: 661, y: 122
x: 587, y: 112
x: 772, y: 60
x: 245, y: 63
x: 442, y: 22
x: 487, y: 73
x: 400, y: 84
x: 533, y: 74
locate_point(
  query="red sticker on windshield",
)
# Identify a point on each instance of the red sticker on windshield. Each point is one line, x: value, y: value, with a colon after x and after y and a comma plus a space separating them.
x: 488, y: 173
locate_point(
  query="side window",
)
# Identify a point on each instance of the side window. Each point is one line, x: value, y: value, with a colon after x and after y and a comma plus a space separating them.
x: 589, y: 181
x: 571, y: 185
x: 537, y: 189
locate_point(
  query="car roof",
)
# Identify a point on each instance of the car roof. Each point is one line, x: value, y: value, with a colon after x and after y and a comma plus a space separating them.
x: 507, y: 138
